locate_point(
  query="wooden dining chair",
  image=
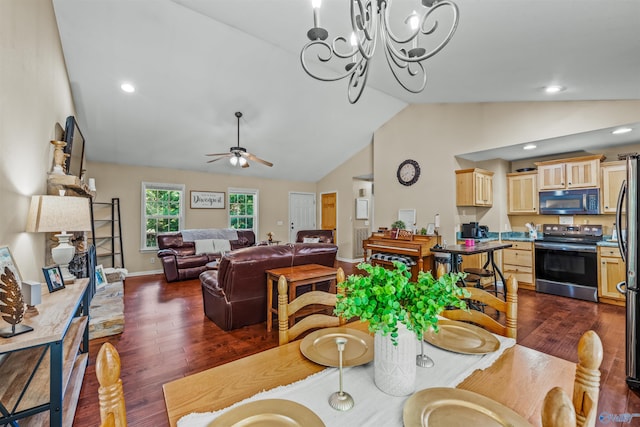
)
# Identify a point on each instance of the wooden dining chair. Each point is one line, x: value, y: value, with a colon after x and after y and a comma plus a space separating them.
x: 558, y: 409
x: 287, y: 309
x: 110, y: 393
x: 480, y: 300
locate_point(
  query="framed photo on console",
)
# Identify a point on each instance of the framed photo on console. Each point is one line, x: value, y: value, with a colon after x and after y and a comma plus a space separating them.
x: 53, y: 277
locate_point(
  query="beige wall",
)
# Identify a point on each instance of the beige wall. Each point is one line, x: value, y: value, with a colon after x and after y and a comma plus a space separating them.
x: 434, y: 134
x: 35, y: 95
x: 125, y: 182
x: 341, y: 180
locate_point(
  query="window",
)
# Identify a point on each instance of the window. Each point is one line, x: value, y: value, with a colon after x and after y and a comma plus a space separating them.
x: 162, y: 211
x: 243, y: 209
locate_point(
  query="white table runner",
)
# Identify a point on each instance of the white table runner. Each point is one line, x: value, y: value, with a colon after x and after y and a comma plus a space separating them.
x: 372, y: 406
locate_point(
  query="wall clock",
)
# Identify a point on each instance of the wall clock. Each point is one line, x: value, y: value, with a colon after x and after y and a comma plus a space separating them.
x: 408, y: 172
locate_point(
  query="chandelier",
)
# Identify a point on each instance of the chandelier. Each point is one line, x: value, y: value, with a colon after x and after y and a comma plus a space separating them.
x: 403, y: 53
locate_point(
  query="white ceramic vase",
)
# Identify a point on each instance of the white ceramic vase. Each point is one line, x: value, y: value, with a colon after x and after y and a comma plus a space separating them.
x: 395, y: 366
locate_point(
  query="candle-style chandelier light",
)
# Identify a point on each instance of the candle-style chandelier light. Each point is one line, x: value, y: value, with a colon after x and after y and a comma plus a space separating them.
x: 403, y: 53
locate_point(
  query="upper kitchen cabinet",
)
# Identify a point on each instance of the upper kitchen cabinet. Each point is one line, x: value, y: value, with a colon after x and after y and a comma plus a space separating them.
x: 613, y: 173
x: 474, y: 187
x: 522, y: 193
x: 577, y: 172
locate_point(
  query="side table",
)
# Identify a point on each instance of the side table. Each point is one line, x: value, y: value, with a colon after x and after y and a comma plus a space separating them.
x: 297, y: 276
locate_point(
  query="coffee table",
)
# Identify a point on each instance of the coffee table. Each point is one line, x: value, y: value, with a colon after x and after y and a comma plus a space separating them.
x: 297, y: 276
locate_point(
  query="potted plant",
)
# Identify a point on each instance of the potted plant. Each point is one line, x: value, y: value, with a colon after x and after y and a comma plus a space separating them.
x: 398, y: 225
x: 399, y: 312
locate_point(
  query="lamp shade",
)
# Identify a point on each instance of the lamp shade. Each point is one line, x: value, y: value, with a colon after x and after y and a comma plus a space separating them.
x: 56, y: 213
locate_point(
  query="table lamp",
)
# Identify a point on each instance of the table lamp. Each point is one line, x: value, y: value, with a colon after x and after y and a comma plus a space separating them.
x: 59, y: 214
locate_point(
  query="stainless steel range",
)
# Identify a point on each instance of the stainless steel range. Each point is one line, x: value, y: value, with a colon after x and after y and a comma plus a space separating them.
x: 567, y: 261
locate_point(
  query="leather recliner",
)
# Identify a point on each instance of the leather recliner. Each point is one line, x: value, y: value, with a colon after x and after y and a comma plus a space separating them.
x: 323, y: 236
x: 236, y: 294
x: 179, y: 259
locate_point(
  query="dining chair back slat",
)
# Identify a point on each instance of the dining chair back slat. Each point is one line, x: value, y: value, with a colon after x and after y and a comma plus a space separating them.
x: 482, y: 299
x: 287, y: 309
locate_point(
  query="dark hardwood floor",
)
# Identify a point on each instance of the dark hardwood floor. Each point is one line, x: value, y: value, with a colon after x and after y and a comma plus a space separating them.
x: 167, y: 336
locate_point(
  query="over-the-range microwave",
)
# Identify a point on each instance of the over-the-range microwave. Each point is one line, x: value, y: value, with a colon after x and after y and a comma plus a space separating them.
x: 570, y: 202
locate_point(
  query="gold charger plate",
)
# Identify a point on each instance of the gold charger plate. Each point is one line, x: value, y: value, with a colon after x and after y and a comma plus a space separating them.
x: 320, y: 347
x: 452, y: 407
x: 268, y: 413
x: 462, y: 337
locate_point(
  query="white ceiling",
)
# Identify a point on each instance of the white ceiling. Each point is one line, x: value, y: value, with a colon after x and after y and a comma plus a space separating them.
x: 196, y: 62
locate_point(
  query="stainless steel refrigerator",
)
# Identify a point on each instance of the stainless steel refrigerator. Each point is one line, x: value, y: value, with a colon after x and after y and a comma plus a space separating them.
x: 627, y: 232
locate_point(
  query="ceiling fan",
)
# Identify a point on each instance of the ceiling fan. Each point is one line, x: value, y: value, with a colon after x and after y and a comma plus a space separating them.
x: 238, y: 155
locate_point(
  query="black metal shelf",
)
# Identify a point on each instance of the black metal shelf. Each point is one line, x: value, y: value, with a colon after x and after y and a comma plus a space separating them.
x: 114, y: 225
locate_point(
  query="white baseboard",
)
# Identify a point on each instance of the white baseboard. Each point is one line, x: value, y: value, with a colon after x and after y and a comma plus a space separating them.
x: 145, y: 273
x: 353, y: 261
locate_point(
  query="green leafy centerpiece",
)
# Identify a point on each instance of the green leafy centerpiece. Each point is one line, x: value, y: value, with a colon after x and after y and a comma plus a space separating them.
x: 399, y: 312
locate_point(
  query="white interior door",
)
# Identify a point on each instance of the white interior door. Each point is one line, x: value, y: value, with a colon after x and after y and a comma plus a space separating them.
x: 302, y: 213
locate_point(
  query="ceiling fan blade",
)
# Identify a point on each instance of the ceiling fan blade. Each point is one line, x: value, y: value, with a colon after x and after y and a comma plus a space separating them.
x: 257, y: 159
x: 217, y: 154
x: 215, y: 160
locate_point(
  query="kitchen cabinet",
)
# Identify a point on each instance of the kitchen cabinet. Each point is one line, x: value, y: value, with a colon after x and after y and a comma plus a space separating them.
x: 577, y: 172
x: 611, y: 271
x: 522, y: 193
x: 48, y: 363
x: 518, y: 261
x: 474, y: 187
x: 613, y: 173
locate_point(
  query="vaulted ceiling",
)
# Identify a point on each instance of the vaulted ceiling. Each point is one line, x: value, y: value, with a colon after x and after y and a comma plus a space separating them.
x: 194, y: 63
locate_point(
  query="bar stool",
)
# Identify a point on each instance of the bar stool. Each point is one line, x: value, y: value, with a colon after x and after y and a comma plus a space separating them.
x: 483, y: 273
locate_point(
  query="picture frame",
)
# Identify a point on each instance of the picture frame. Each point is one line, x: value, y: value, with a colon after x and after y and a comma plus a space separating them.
x: 6, y: 260
x: 431, y: 229
x: 101, y: 277
x: 53, y: 277
x: 207, y: 199
x: 362, y: 209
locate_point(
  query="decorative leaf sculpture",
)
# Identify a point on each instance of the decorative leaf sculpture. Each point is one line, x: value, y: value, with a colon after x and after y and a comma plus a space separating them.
x: 11, y: 302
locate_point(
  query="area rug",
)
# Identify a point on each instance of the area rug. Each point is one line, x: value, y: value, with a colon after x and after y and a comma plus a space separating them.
x: 107, y: 311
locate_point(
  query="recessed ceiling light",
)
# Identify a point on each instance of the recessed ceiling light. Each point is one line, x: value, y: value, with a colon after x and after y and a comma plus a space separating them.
x: 128, y: 87
x: 554, y: 89
x: 620, y: 131
x: 529, y: 147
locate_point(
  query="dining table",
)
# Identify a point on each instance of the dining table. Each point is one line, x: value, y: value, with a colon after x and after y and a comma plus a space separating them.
x: 518, y: 379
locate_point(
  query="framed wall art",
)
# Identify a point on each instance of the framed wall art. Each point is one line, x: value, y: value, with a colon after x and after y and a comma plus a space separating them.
x: 53, y: 277
x: 207, y: 199
x: 362, y: 209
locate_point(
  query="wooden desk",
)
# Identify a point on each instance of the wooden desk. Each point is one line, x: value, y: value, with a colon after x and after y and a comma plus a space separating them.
x: 297, y: 276
x: 519, y: 379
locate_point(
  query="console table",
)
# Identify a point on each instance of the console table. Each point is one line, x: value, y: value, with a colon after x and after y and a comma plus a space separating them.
x: 42, y: 370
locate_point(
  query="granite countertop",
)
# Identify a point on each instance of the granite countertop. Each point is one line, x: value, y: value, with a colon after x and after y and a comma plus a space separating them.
x: 608, y: 242
x: 516, y: 236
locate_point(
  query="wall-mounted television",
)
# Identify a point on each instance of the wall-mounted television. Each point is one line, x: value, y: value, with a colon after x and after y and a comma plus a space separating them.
x: 74, y: 148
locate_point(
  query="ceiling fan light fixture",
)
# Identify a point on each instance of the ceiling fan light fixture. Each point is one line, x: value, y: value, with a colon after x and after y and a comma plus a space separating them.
x: 242, y: 161
x: 233, y: 160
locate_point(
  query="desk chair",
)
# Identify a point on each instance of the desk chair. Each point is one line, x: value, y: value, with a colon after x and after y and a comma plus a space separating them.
x: 475, y: 313
x: 110, y: 394
x: 287, y: 309
x: 558, y: 410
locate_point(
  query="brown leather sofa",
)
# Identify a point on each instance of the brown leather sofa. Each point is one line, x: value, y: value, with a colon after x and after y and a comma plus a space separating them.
x: 179, y: 259
x: 323, y: 236
x: 236, y: 294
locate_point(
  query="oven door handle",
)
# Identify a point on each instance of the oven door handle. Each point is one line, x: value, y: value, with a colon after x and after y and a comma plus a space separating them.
x: 622, y: 245
x: 566, y: 247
